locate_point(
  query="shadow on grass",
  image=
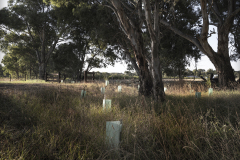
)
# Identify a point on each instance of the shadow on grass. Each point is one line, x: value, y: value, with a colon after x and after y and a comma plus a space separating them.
x: 47, y: 124
x: 12, y: 115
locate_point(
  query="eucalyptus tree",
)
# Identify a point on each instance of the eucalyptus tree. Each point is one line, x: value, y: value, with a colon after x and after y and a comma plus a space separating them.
x: 88, y: 39
x: 14, y: 62
x: 217, y: 13
x: 68, y: 60
x: 40, y: 23
x: 135, y: 18
x: 11, y: 64
x: 19, y: 44
x: 142, y: 17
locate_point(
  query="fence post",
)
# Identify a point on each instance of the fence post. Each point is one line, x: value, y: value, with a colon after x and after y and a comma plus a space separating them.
x: 85, y: 76
x: 46, y: 77
x: 59, y: 77
x: 30, y: 74
x: 93, y: 74
x: 10, y: 77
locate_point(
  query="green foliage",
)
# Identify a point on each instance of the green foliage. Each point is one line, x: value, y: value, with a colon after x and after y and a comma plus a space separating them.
x: 208, y: 83
x: 11, y: 20
x: 38, y: 33
x: 176, y: 52
x: 11, y: 64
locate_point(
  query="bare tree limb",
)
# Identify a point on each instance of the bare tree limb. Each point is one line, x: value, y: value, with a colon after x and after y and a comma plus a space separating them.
x: 127, y: 7
x: 215, y: 11
x: 148, y: 18
x: 234, y: 13
x: 118, y: 18
x: 180, y: 33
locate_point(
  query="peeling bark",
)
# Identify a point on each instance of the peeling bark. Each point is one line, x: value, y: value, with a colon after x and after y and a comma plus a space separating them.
x: 134, y: 34
x: 158, y: 88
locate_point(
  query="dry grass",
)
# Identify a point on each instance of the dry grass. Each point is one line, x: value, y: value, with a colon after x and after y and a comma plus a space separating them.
x: 52, y: 121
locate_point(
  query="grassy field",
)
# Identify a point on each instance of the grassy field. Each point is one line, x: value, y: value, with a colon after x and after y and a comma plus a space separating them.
x: 52, y: 121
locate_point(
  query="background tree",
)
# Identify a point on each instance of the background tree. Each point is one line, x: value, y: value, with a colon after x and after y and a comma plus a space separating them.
x: 88, y: 37
x: 11, y: 64
x: 188, y: 72
x: 210, y: 71
x: 39, y: 22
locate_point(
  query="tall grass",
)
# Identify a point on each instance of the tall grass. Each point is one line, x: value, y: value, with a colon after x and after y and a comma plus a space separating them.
x: 52, y: 121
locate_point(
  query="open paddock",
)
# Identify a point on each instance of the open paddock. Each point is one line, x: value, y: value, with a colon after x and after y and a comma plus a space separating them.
x: 52, y: 121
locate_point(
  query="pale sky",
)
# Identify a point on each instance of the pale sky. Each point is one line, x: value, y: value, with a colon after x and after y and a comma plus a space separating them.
x: 3, y: 3
x: 204, y: 63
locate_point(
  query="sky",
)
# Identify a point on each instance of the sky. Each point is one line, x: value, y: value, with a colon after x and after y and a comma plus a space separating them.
x: 204, y: 63
x: 3, y: 3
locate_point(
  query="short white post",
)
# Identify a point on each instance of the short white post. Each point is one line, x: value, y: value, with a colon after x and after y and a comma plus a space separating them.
x: 83, y: 93
x: 106, y: 83
x: 119, y: 88
x: 113, y: 132
x: 198, y: 94
x: 190, y: 86
x: 61, y: 81
x: 138, y: 87
x: 107, y: 104
x: 210, y: 91
x: 165, y: 89
x: 103, y: 90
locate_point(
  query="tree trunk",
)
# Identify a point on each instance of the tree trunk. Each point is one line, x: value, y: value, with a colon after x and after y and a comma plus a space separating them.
x: 30, y: 73
x: 17, y: 74
x: 224, y: 70
x: 158, y: 88
x: 133, y: 62
x: 145, y: 78
x: 221, y: 59
x: 41, y: 71
x: 146, y: 83
x: 134, y: 34
x: 153, y: 28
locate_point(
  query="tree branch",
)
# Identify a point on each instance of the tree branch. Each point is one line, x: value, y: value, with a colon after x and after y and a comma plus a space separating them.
x: 140, y: 14
x: 128, y: 8
x: 148, y: 19
x: 205, y: 27
x: 213, y: 24
x: 215, y: 11
x: 31, y: 36
x: 180, y: 33
x: 51, y: 49
x: 118, y: 18
x: 234, y: 13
